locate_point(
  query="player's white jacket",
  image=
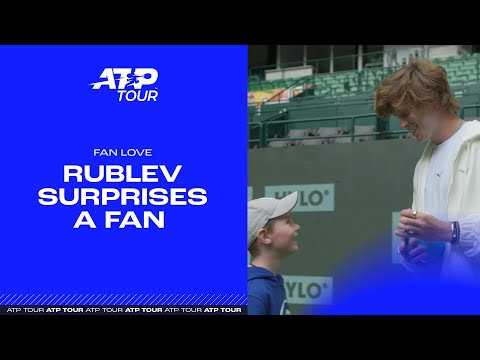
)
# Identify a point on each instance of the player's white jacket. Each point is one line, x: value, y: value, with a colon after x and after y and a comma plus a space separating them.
x: 461, y: 262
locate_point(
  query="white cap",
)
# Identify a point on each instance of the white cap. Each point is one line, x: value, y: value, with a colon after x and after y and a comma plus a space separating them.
x: 263, y: 209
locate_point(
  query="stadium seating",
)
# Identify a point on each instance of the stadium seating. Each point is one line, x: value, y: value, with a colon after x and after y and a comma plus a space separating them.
x: 337, y: 97
x: 460, y: 69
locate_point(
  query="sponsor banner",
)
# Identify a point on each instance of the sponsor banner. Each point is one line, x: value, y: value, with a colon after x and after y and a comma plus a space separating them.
x: 275, y: 96
x: 313, y: 290
x: 311, y: 197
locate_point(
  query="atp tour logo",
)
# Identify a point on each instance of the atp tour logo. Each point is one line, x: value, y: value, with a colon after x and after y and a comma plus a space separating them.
x: 129, y: 83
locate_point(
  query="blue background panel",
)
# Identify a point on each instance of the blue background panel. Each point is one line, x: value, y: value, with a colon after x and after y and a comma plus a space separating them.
x: 51, y: 117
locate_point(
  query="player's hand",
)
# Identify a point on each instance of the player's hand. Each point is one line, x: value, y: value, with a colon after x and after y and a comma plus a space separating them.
x: 423, y: 226
x: 413, y: 253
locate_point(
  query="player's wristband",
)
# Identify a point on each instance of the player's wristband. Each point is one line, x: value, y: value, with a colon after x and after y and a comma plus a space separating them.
x: 455, y: 233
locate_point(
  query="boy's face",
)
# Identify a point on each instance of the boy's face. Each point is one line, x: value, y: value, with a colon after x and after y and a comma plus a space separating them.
x: 283, y: 233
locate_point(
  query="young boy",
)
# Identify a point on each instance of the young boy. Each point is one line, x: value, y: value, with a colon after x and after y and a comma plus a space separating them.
x: 271, y: 238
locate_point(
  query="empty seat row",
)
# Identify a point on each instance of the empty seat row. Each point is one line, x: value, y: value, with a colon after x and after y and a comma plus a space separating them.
x: 324, y: 135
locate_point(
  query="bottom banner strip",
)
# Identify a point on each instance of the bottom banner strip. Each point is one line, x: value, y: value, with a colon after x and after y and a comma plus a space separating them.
x: 124, y: 310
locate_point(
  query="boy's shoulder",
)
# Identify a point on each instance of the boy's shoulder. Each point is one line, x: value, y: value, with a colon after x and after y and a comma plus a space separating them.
x: 259, y: 277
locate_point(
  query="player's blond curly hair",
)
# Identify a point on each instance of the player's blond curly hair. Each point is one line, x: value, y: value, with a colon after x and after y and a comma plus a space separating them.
x: 420, y: 85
